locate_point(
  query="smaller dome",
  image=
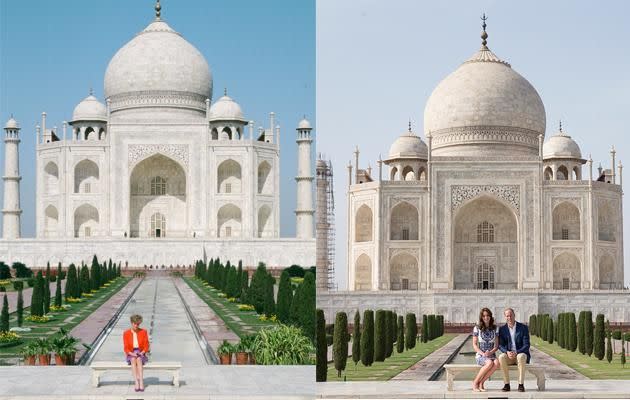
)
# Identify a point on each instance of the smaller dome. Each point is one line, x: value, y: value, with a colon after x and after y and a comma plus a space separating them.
x: 226, y: 109
x: 304, y: 124
x: 561, y: 146
x: 408, y: 145
x: 90, y: 109
x: 11, y: 124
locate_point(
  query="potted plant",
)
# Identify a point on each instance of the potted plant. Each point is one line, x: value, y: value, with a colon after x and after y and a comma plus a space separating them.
x: 282, y: 345
x: 29, y: 351
x: 42, y: 347
x: 242, y: 357
x: 248, y: 346
x: 225, y: 353
x: 64, y: 347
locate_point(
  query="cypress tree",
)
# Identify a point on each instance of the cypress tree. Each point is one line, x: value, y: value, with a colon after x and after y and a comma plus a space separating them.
x: 580, y: 333
x: 425, y: 328
x: 322, y: 349
x: 231, y: 286
x: 71, y: 277
x: 4, y: 316
x: 269, y: 301
x: 555, y: 331
x: 588, y: 332
x: 550, y: 330
x: 256, y: 292
x: 367, y: 338
x: 572, y: 332
x: 285, y: 296
x: 560, y: 337
x: 244, y: 286
x: 58, y: 287
x: 400, y: 340
x: 379, y: 335
x: 46, y: 296
x: 119, y: 273
x: 356, y: 339
x: 110, y: 271
x: 609, y: 352
x: 388, y: 334
x: 37, y: 303
x: 238, y: 280
x: 532, y: 324
x: 599, y: 337
x: 410, y: 335
x: 307, y: 305
x: 20, y: 307
x: 84, y: 281
x: 95, y: 274
x: 340, y: 342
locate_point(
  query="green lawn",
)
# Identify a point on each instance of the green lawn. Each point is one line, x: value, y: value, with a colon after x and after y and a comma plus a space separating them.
x: 241, y: 322
x: 398, y: 362
x: 587, y: 366
x: 66, y: 319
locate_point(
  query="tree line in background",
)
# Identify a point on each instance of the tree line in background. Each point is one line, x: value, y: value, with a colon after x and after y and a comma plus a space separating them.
x: 290, y: 306
x: 588, y: 338
x: 373, y: 341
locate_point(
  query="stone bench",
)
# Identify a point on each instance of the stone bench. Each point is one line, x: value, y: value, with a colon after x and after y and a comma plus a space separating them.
x: 452, y: 370
x: 99, y: 367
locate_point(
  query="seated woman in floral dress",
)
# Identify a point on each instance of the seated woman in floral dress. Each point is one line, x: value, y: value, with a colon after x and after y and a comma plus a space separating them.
x: 485, y: 343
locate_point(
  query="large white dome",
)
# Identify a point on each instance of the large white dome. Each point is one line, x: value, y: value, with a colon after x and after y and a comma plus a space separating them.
x: 159, y: 61
x: 484, y: 108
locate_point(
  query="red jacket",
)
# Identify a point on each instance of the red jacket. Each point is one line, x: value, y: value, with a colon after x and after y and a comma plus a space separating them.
x: 143, y: 340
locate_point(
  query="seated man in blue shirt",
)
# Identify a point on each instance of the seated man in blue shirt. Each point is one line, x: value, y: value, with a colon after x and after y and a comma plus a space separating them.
x: 514, y: 344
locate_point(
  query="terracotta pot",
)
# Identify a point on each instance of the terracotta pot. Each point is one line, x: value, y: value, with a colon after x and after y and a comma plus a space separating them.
x: 252, y: 358
x: 69, y: 358
x: 225, y: 359
x: 60, y: 360
x: 29, y: 360
x: 44, y: 359
x: 242, y: 358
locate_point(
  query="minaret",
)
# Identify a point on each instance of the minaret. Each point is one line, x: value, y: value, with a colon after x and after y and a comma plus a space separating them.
x: 321, y: 242
x: 11, y: 211
x: 304, y: 211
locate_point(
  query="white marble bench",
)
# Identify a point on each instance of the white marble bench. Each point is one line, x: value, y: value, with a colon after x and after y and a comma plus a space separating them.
x: 452, y: 370
x: 99, y: 367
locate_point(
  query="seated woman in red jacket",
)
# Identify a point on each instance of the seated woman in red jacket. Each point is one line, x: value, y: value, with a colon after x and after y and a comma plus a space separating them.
x: 136, y: 346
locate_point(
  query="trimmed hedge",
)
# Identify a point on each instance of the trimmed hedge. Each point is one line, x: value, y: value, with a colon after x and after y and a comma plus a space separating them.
x: 356, y: 339
x: 550, y: 330
x: 588, y: 332
x: 572, y: 332
x: 410, y: 331
x: 380, y: 338
x: 340, y: 342
x: 425, y: 328
x: 580, y: 333
x: 322, y: 348
x: 599, y: 337
x: 400, y: 340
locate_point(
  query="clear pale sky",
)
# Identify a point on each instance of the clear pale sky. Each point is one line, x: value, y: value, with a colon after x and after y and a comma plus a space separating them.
x: 52, y: 52
x: 378, y: 62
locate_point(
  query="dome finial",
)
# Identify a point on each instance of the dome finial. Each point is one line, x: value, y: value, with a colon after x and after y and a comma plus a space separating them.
x: 409, y: 126
x: 91, y: 91
x: 158, y: 8
x: 560, y: 126
x: 484, y: 35
x: 225, y: 91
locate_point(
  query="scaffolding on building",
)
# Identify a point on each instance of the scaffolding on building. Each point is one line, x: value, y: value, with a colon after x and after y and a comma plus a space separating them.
x: 330, y: 226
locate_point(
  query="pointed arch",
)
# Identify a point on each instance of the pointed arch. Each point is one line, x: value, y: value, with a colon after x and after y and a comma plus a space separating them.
x: 229, y: 221
x: 363, y: 224
x: 548, y: 173
x: 566, y: 272
x: 86, y: 221
x: 404, y: 222
x: 566, y: 222
x: 607, y: 275
x: 363, y: 273
x: 51, y: 221
x: 403, y: 272
x: 562, y: 173
x: 265, y: 185
x: 51, y: 178
x: 86, y: 177
x: 264, y: 222
x: 229, y: 177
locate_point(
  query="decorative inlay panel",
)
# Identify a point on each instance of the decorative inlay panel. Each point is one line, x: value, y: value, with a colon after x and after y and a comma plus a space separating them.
x: 461, y: 193
x: 471, y: 134
x: 138, y: 152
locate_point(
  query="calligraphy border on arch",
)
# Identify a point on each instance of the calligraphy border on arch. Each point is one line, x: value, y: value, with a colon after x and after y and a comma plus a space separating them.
x: 509, y: 193
x: 138, y: 152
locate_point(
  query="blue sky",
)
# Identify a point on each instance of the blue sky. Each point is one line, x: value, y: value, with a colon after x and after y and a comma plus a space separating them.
x: 378, y: 62
x: 52, y: 52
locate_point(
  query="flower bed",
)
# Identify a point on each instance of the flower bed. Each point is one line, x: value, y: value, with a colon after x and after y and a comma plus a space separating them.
x: 74, y: 300
x: 64, y: 307
x: 87, y: 294
x: 8, y: 339
x: 39, y: 319
x: 246, y: 307
x: 271, y: 318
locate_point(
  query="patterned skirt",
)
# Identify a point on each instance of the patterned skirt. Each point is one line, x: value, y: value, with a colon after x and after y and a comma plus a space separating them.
x: 143, y: 357
x: 481, y: 360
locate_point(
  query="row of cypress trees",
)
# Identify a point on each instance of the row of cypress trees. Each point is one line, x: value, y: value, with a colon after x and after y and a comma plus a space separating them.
x: 372, y: 342
x: 432, y: 327
x: 83, y: 280
x: 292, y: 307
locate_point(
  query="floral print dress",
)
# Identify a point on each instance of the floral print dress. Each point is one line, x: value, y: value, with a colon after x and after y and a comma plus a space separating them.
x: 486, y: 340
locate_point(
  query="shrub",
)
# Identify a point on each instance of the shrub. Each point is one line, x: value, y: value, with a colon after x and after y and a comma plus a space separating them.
x: 322, y: 348
x: 598, y: 339
x: 588, y: 332
x: 532, y: 324
x: 21, y: 270
x: 295, y: 271
x: 340, y: 342
x: 626, y: 337
x: 84, y: 280
x: 31, y: 282
x: 410, y: 331
x: 37, y: 300
x: 572, y: 332
x: 561, y: 335
x: 4, y: 315
x: 609, y: 352
x: 256, y: 293
x: 550, y: 330
x: 5, y: 271
x: 616, y: 335
x: 285, y: 296
x: 20, y: 308
x: 400, y: 340
x: 425, y: 328
x: 580, y: 333
x: 379, y: 335
x: 18, y: 285
x: 367, y: 338
x: 356, y: 339
x: 282, y: 345
x: 71, y: 282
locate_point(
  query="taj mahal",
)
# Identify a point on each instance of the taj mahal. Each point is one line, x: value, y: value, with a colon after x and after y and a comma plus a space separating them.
x: 158, y: 173
x: 484, y: 211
